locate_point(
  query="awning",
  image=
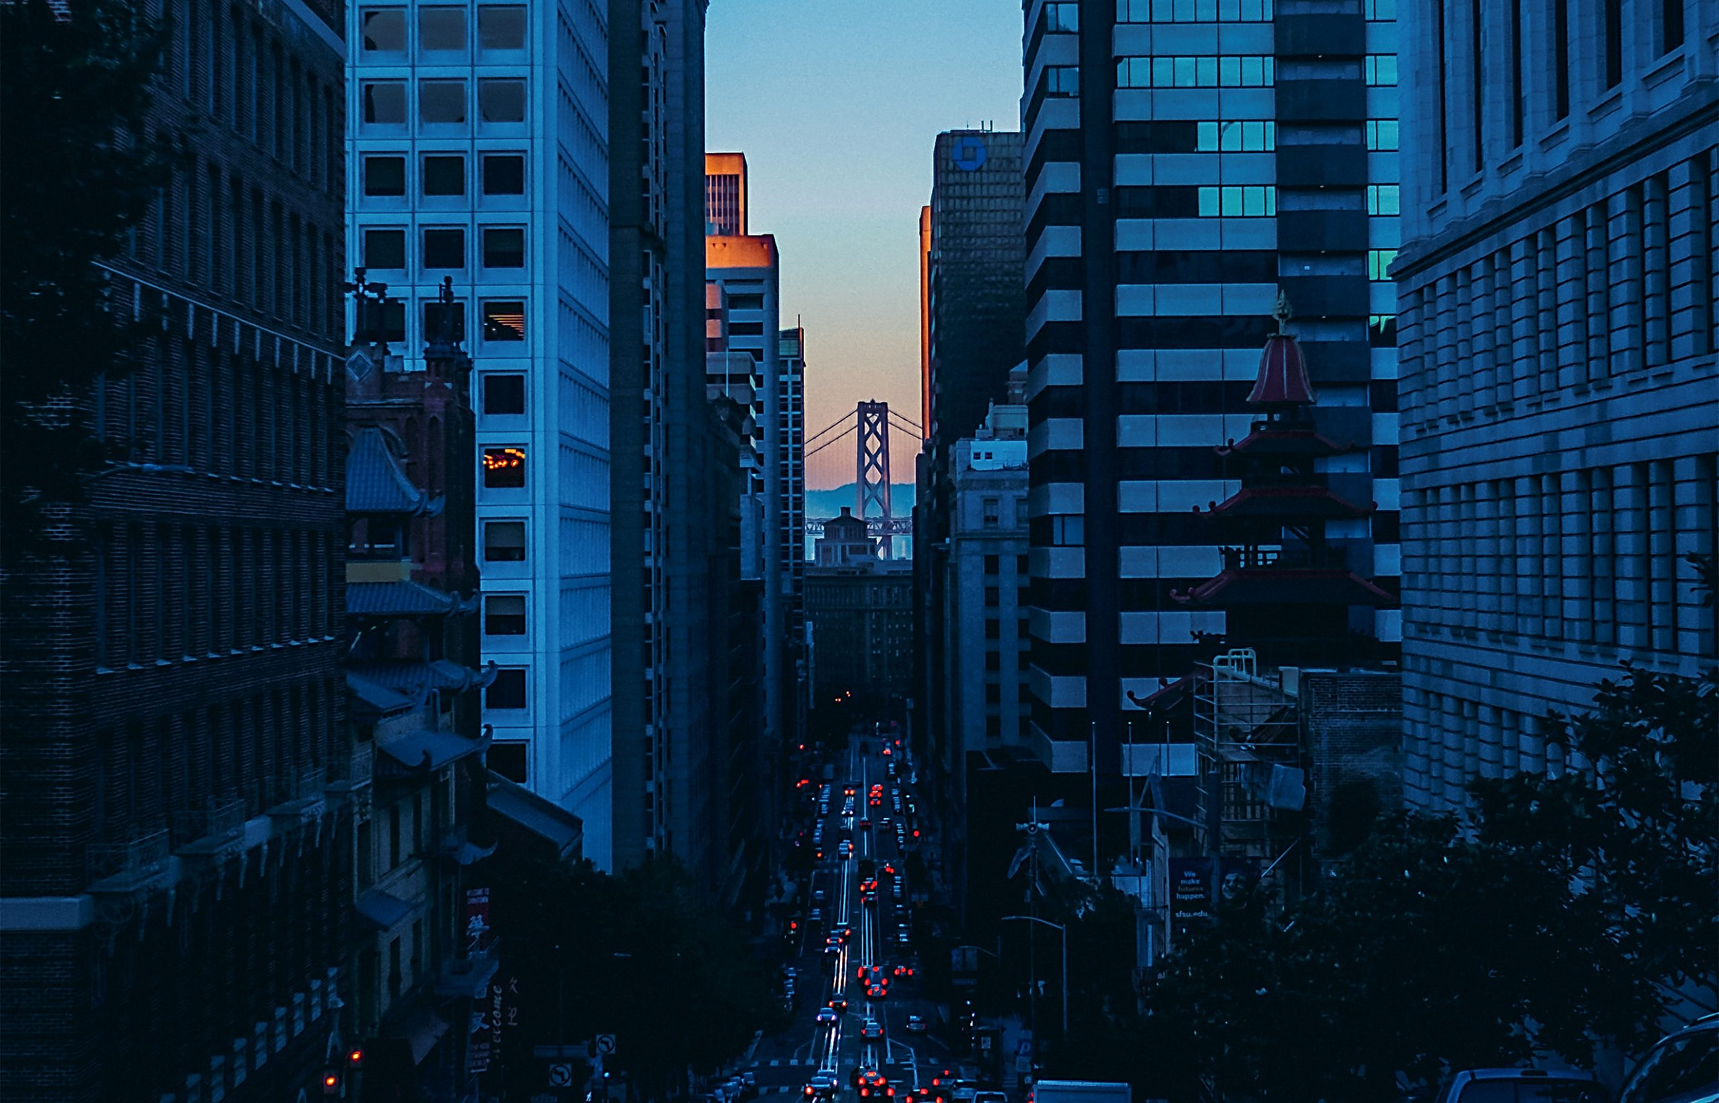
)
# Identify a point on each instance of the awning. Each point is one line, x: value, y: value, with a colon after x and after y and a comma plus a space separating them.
x: 515, y: 803
x: 375, y: 698
x: 430, y: 750
x: 385, y: 911
x: 402, y: 599
x: 421, y: 1029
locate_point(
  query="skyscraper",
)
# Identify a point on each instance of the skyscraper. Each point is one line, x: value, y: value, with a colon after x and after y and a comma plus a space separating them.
x: 725, y: 194
x: 793, y: 462
x: 1559, y: 381
x: 479, y: 152
x: 1186, y: 163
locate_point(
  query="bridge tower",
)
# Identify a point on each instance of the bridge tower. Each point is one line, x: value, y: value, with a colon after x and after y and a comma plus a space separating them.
x: 871, y: 454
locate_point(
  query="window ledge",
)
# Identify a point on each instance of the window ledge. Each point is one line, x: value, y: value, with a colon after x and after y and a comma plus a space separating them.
x: 1607, y: 104
x: 1671, y: 65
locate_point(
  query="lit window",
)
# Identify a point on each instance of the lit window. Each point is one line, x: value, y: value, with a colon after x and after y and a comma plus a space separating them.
x: 504, y: 468
x: 441, y: 29
x: 1238, y: 201
x: 501, y: 27
x: 504, y: 320
x: 384, y: 30
x: 1380, y: 69
x: 504, y: 541
x: 1062, y: 18
x: 1382, y: 134
x: 501, y: 101
x: 444, y: 174
x: 384, y: 101
x: 442, y: 101
x: 1383, y: 199
x: 504, y: 615
x: 1379, y: 263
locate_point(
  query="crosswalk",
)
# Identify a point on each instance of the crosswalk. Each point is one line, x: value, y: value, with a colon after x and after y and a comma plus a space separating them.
x: 793, y: 1062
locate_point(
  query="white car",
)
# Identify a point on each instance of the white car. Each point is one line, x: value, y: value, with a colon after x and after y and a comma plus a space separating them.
x: 828, y: 1016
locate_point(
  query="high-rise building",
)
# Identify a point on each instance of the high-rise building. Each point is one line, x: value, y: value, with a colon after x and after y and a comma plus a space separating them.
x: 1559, y: 385
x: 479, y: 138
x: 662, y: 648
x: 725, y: 194
x: 176, y: 894
x: 1186, y: 163
x: 793, y: 463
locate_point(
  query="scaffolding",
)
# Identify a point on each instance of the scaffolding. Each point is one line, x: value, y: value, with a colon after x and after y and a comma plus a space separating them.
x: 1251, y: 779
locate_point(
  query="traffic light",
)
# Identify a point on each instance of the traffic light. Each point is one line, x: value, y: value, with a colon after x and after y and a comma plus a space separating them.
x: 331, y: 1084
x: 355, y: 1057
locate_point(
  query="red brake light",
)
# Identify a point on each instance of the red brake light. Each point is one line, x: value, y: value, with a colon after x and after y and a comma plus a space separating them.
x: 863, y: 1091
x: 355, y: 1057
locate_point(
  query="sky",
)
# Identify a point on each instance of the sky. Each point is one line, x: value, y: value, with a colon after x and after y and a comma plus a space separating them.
x: 836, y: 104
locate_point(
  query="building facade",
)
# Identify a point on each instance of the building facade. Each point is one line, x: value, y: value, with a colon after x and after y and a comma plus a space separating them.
x: 176, y: 897
x: 478, y: 150
x: 792, y: 425
x: 1185, y: 164
x: 861, y: 617
x: 1558, y: 369
x: 725, y: 194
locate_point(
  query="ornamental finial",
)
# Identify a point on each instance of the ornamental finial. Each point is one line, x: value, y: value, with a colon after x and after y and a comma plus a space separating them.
x: 1282, y: 311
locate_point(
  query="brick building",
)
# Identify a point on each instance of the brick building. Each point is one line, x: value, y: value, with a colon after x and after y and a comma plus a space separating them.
x: 177, y: 882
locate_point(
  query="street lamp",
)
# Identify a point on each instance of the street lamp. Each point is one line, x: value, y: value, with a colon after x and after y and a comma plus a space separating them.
x: 1064, y: 932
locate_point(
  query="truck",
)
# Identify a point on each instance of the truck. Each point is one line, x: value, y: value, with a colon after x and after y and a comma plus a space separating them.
x: 1080, y: 1091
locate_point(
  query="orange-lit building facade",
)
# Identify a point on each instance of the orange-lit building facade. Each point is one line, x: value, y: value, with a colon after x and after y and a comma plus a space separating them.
x: 725, y: 194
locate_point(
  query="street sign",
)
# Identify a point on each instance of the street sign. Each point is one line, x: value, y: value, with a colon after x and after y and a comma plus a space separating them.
x: 605, y: 1044
x: 561, y: 1075
x: 553, y: 1052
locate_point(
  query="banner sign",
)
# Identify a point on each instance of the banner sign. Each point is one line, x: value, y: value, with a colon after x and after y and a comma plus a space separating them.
x: 1190, y: 891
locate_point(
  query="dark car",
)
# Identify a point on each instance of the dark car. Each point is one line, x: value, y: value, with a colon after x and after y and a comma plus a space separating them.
x: 1524, y: 1086
x: 1683, y: 1067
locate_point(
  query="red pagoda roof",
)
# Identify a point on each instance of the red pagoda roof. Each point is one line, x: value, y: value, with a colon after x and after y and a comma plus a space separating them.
x: 1286, y: 442
x: 1285, y: 501
x: 1285, y: 586
x: 1282, y: 375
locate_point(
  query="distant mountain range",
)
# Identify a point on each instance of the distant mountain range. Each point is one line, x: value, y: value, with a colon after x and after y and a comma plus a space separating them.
x: 829, y: 503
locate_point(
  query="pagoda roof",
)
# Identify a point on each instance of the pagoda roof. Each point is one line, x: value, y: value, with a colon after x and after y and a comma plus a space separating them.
x: 1266, y: 440
x: 403, y: 599
x: 1285, y: 501
x: 375, y: 482
x: 417, y: 677
x: 1282, y: 377
x: 427, y: 750
x: 1284, y: 586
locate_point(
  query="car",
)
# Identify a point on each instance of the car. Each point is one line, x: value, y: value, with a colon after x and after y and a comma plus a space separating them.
x: 864, y: 825
x: 828, y: 1016
x: 876, y: 991
x: 1531, y: 1086
x: 1682, y: 1067
x: 819, y: 896
x: 871, y: 1028
x: 915, y: 1025
x: 839, y: 1004
x: 833, y: 951
x: 816, y: 915
x: 846, y: 851
x: 871, y: 1082
x: 903, y: 971
x: 887, y: 750
x: 897, y: 892
x: 735, y: 1088
x: 822, y: 1085
x: 750, y: 1079
x: 990, y: 1097
x: 903, y: 932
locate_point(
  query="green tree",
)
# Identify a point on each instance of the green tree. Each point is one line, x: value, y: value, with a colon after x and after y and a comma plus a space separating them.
x: 81, y: 171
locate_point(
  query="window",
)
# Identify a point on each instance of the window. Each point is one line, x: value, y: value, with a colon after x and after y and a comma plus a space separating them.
x: 1021, y: 566
x: 1068, y: 532
x: 504, y: 541
x: 433, y: 319
x: 991, y: 564
x: 501, y: 101
x: 444, y: 174
x: 504, y: 173
x: 1382, y: 330
x: 993, y: 512
x: 993, y: 629
x: 1249, y: 71
x: 504, y: 320
x: 441, y: 29
x: 504, y: 247
x: 501, y: 28
x: 503, y: 393
x: 1235, y: 137
x: 1383, y: 199
x: 384, y: 176
x: 384, y: 30
x: 993, y: 596
x: 1614, y: 42
x: 1062, y: 80
x: 445, y: 247
x: 1193, y: 11
x: 394, y: 321
x: 1062, y: 18
x: 508, y: 759
x: 442, y: 101
x: 1379, y: 263
x: 1380, y: 69
x: 504, y: 615
x: 385, y: 249
x: 1670, y: 25
x: 1380, y: 11
x: 1382, y: 134
x: 508, y: 689
x: 504, y: 468
x: 1238, y: 201
x: 384, y: 101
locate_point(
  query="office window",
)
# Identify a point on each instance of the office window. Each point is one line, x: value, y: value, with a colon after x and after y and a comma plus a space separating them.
x: 1237, y: 201
x: 1256, y: 136
x: 1380, y: 69
x: 1379, y: 263
x: 1670, y: 25
x: 1249, y: 71
x: 504, y: 615
x: 385, y: 249
x: 508, y: 759
x: 384, y: 101
x: 1062, y: 18
x: 501, y: 27
x: 504, y: 173
x: 504, y: 320
x: 441, y: 101
x: 508, y: 689
x: 384, y: 176
x: 503, y: 393
x: 441, y: 29
x: 1062, y: 80
x: 444, y: 174
x: 394, y: 321
x: 384, y: 30
x: 504, y: 541
x: 993, y: 596
x: 434, y: 316
x: 1193, y: 11
x: 1068, y: 531
x: 445, y: 247
x: 1383, y: 134
x: 504, y: 247
x: 1383, y: 199
x: 501, y: 101
x: 993, y: 628
x: 504, y: 468
x: 1380, y: 11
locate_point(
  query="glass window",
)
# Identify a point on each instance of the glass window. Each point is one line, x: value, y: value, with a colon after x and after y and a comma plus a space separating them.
x: 441, y: 29
x: 504, y: 615
x: 504, y: 541
x: 433, y: 320
x: 503, y: 393
x: 442, y: 101
x: 1380, y: 69
x: 1383, y: 199
x: 504, y: 468
x: 384, y: 248
x: 504, y: 320
x: 1062, y: 18
x: 394, y: 321
x: 444, y: 174
x: 501, y: 27
x: 1382, y: 134
x: 508, y: 689
x: 1380, y: 11
x: 501, y: 101
x: 508, y: 759
x: 503, y: 247
x: 445, y: 247
x: 384, y: 101
x: 384, y: 176
x: 504, y: 174
x: 1062, y: 80
x: 384, y: 30
x: 1379, y: 263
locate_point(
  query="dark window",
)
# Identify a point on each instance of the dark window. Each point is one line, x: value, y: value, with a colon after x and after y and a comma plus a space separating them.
x: 384, y: 30
x: 1382, y: 396
x: 503, y: 247
x: 433, y: 319
x: 504, y: 320
x: 501, y: 28
x: 503, y: 394
x: 442, y: 101
x: 504, y: 468
x: 504, y: 541
x: 441, y: 29
x: 501, y: 101
x: 1670, y: 25
x: 993, y: 629
x: 384, y: 176
x: 991, y: 563
x: 384, y: 249
x: 445, y: 175
x: 993, y: 660
x: 1387, y: 528
x: 394, y: 321
x: 503, y: 173
x: 508, y: 689
x: 445, y: 248
x: 508, y: 759
x: 504, y: 615
x: 1614, y: 43
x: 993, y: 596
x: 1022, y: 567
x: 1561, y: 58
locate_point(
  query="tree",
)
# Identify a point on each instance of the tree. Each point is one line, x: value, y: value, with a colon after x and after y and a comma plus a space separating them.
x: 81, y: 172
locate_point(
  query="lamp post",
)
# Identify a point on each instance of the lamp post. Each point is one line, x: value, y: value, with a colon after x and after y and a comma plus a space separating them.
x: 1064, y: 931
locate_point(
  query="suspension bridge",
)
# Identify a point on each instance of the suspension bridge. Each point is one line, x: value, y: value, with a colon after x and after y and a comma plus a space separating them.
x: 870, y: 427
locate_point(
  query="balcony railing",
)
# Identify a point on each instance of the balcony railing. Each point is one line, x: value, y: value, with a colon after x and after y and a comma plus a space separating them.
x: 129, y: 866
x: 210, y: 828
x: 304, y: 797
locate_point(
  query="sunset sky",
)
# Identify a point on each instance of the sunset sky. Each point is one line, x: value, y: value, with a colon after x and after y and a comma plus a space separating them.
x: 836, y: 104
